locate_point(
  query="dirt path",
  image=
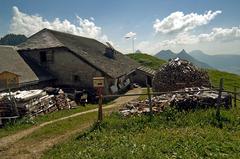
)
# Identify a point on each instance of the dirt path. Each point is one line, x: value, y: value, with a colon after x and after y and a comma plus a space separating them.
x: 10, y: 147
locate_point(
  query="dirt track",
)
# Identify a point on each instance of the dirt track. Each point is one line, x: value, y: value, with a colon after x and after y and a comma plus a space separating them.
x: 12, y: 147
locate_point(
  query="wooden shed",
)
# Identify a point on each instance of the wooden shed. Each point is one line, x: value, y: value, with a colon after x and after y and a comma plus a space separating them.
x: 9, y: 80
x: 15, y: 72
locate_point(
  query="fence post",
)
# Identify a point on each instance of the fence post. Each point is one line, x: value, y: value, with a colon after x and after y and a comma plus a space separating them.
x: 219, y: 99
x: 235, y: 96
x: 149, y: 100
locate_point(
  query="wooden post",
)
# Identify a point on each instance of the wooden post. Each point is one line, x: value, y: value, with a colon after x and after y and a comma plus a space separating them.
x: 235, y: 96
x: 100, y: 112
x: 98, y: 83
x: 219, y: 99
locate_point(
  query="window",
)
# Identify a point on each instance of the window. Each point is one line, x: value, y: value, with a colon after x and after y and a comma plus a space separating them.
x: 76, y: 78
x: 46, y: 57
x: 109, y: 52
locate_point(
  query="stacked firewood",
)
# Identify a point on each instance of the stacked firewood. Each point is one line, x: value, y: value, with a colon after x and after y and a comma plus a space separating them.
x: 188, y: 99
x: 32, y: 103
x: 6, y: 107
x: 62, y: 102
x: 178, y: 74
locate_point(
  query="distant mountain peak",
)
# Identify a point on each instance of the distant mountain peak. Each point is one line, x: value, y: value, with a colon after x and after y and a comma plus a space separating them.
x: 168, y: 54
x: 165, y: 54
x: 138, y: 51
x: 224, y: 62
x: 183, y: 52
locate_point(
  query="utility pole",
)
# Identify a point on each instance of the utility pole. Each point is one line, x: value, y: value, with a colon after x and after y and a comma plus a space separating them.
x: 133, y: 44
x: 131, y: 36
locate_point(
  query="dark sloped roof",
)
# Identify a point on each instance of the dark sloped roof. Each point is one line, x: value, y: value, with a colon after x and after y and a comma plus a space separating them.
x: 88, y: 49
x: 11, y: 61
x: 147, y: 70
x: 42, y: 39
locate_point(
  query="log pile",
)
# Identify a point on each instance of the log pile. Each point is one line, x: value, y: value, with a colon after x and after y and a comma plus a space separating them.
x: 32, y: 103
x: 188, y: 99
x: 178, y: 74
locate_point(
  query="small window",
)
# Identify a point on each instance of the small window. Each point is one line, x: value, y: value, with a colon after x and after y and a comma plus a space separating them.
x: 109, y: 52
x: 46, y: 57
x: 43, y: 56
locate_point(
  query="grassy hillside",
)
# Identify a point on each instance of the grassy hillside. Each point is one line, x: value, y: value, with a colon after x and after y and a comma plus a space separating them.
x: 230, y: 79
x: 171, y: 134
x: 153, y: 62
x: 147, y: 60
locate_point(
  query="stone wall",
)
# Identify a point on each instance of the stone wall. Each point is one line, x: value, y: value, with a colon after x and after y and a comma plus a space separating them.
x: 68, y: 68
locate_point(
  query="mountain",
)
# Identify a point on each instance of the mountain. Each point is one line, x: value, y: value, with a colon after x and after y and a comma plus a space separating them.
x: 165, y: 55
x: 229, y: 63
x: 168, y: 54
x: 12, y: 39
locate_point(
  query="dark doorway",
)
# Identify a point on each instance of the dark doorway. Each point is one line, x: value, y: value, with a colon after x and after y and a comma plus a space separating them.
x: 43, y: 56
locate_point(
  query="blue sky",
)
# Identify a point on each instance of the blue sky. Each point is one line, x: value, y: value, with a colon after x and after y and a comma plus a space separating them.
x: 117, y: 18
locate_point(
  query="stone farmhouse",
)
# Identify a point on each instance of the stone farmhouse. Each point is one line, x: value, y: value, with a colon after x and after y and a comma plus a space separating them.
x: 52, y: 58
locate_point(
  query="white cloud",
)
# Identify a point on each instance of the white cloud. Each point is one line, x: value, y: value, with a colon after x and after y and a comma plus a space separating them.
x: 178, y: 22
x: 185, y: 39
x: 221, y: 34
x: 130, y: 35
x: 217, y: 35
x: 23, y: 23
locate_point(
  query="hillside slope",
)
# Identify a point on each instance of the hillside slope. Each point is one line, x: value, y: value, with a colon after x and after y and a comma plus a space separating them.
x: 230, y: 79
x: 230, y: 63
x: 147, y: 60
x: 171, y: 134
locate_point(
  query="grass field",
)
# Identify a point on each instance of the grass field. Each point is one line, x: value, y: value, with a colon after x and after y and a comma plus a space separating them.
x: 230, y: 80
x: 170, y: 134
x: 24, y: 123
x: 147, y: 60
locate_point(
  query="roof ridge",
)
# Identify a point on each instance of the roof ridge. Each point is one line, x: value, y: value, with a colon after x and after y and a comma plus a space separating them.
x: 55, y: 38
x: 8, y: 46
x: 62, y: 32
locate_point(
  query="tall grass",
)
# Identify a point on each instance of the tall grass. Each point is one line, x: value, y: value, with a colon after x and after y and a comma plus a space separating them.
x: 13, y: 127
x: 170, y: 134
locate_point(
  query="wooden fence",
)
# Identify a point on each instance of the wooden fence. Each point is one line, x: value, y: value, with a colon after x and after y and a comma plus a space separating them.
x: 149, y: 94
